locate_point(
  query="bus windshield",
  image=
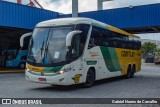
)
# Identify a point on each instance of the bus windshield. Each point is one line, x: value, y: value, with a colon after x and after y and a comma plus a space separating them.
x: 48, y: 45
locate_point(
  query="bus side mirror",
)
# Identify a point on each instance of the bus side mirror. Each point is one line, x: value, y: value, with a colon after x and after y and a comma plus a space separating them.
x: 70, y: 36
x: 23, y: 37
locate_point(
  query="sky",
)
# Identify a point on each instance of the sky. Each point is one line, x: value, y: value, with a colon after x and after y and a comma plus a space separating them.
x: 65, y: 7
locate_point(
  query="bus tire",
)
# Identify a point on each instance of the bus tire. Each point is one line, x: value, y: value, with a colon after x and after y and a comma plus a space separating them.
x: 129, y: 72
x: 133, y: 71
x: 90, y: 79
x: 155, y: 63
x: 22, y: 65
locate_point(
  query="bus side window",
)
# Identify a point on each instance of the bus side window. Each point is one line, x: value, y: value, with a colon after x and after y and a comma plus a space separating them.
x: 105, y: 41
x: 80, y: 40
x: 115, y: 39
x: 108, y: 39
x: 137, y: 44
x: 91, y: 42
x: 95, y: 38
x: 124, y: 42
x: 76, y: 46
x: 130, y: 41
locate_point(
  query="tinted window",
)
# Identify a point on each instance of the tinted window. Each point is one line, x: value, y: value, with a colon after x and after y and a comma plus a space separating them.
x: 104, y: 37
x: 79, y: 40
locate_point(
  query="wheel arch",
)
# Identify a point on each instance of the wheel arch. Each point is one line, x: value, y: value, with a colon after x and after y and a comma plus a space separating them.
x: 93, y: 69
x: 129, y: 65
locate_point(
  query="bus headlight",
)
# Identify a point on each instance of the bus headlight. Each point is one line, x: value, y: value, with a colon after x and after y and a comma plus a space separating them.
x: 64, y: 70
x: 61, y: 71
x: 27, y: 70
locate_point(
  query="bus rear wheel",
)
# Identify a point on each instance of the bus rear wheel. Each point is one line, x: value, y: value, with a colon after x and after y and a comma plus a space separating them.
x: 133, y: 71
x: 90, y: 79
x: 155, y: 63
x: 129, y: 72
x: 22, y: 65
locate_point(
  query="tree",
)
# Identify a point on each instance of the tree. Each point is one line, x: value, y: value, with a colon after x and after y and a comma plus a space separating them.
x: 157, y: 50
x: 148, y: 47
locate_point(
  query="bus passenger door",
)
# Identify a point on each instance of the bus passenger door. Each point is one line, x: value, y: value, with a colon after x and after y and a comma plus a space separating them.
x: 94, y: 60
x: 103, y: 71
x: 90, y: 63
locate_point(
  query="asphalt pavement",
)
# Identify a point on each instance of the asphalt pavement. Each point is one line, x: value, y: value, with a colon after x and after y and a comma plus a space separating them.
x: 145, y: 84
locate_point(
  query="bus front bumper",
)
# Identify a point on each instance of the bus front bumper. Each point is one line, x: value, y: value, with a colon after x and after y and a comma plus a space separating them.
x: 64, y: 79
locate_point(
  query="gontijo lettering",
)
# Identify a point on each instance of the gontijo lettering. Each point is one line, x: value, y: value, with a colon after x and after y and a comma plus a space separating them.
x: 127, y: 54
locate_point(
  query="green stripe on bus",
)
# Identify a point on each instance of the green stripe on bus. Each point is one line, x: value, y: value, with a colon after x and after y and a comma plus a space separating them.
x: 115, y: 60
x: 110, y: 58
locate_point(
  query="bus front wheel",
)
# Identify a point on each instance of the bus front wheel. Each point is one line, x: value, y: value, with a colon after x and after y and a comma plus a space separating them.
x: 22, y: 65
x: 90, y: 79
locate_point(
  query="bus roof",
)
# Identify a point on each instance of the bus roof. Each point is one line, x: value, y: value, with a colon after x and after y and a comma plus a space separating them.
x: 72, y: 21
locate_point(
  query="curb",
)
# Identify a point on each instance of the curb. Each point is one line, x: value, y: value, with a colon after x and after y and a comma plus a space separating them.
x: 12, y: 71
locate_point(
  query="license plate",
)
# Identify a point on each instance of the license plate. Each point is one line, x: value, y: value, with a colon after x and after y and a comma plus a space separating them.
x: 42, y: 79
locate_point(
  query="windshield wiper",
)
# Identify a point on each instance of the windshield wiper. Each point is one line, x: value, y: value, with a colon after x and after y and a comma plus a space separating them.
x: 42, y: 48
x: 41, y: 51
x: 46, y: 49
x: 46, y: 53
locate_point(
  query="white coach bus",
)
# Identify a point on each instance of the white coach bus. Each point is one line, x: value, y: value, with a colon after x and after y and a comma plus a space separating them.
x: 80, y: 50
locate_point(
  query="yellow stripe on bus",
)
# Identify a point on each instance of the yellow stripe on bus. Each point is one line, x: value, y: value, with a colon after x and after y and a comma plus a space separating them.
x: 33, y: 68
x: 114, y: 29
